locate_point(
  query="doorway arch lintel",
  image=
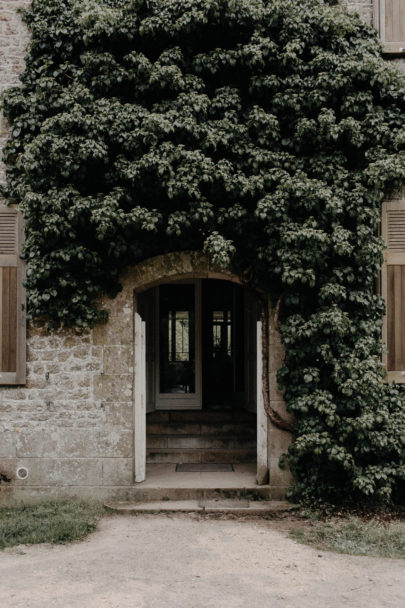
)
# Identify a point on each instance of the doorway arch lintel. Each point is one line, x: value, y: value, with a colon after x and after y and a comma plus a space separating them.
x: 174, y: 267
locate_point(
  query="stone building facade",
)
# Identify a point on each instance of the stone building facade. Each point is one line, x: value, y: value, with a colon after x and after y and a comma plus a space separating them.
x: 71, y: 426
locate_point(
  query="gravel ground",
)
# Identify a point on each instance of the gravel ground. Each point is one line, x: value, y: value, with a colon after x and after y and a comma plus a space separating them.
x: 160, y: 561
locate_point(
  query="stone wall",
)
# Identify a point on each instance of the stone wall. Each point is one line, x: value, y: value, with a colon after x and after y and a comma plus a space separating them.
x: 72, y: 425
x: 365, y: 9
x: 13, y: 42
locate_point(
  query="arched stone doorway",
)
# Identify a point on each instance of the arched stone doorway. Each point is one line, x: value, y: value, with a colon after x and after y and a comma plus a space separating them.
x: 191, y: 266
x: 200, y: 359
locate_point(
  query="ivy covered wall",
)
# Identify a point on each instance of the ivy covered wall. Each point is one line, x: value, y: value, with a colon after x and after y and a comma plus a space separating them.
x: 265, y: 132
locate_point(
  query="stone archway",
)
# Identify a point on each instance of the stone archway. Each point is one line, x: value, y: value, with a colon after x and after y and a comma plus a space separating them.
x: 195, y: 265
x: 174, y: 267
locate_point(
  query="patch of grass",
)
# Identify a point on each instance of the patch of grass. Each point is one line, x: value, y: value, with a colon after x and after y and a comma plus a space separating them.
x: 50, y: 522
x: 355, y: 536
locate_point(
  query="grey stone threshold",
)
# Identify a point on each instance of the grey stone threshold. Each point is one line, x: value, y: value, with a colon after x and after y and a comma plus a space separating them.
x: 237, y: 506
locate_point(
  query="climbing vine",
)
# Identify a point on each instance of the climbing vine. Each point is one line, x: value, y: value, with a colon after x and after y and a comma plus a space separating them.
x: 266, y: 132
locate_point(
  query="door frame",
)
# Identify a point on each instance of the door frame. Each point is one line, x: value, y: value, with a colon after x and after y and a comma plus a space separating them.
x: 139, y: 398
x: 262, y: 419
x: 261, y: 416
x: 180, y: 401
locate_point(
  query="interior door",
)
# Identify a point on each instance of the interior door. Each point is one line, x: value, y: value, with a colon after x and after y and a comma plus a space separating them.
x: 178, y: 383
x: 140, y: 398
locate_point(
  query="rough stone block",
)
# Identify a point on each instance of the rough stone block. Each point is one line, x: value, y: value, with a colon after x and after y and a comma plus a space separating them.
x: 37, y: 443
x: 58, y: 443
x: 7, y: 444
x: 36, y: 381
x: 277, y: 354
x: 278, y: 443
x: 120, y: 414
x: 60, y: 471
x: 116, y: 443
x: 275, y: 393
x: 113, y: 388
x: 115, y: 333
x: 123, y: 303
x: 8, y: 468
x: 118, y: 359
x: 118, y: 471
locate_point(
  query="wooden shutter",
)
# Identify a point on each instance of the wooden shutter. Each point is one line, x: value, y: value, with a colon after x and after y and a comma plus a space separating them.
x: 393, y: 289
x: 12, y: 299
x: 389, y: 18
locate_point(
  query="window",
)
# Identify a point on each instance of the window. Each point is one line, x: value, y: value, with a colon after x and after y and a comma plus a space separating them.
x: 12, y: 299
x: 393, y: 289
x: 389, y: 19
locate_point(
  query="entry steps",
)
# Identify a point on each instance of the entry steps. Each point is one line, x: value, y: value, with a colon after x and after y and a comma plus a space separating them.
x: 142, y: 492
x: 179, y: 437
x: 238, y: 506
x: 163, y: 484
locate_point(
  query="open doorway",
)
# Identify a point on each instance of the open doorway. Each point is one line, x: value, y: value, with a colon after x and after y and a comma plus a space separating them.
x: 201, y: 373
x: 200, y: 345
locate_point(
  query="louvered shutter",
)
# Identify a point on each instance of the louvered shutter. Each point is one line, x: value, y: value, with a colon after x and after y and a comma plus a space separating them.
x: 390, y: 22
x: 12, y: 299
x: 393, y: 288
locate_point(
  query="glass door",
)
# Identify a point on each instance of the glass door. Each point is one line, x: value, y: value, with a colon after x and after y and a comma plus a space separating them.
x: 223, y: 344
x: 178, y: 378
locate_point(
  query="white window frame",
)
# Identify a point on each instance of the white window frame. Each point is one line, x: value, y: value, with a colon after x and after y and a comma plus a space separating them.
x: 178, y: 401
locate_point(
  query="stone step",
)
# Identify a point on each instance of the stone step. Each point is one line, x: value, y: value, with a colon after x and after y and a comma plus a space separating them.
x: 238, y: 505
x: 175, y: 456
x: 173, y: 428
x: 201, y: 416
x: 142, y: 493
x: 201, y: 441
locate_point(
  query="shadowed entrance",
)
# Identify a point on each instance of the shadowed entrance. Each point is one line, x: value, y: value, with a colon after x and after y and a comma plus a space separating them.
x: 185, y: 267
x: 200, y: 372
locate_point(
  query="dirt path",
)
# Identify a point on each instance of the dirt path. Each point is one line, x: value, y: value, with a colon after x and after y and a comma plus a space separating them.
x: 186, y: 562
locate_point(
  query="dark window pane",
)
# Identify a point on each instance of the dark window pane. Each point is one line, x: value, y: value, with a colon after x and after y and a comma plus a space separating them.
x: 177, y: 347
x: 223, y: 343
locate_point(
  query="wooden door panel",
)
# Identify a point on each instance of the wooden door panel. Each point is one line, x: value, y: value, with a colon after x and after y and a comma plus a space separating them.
x: 396, y: 317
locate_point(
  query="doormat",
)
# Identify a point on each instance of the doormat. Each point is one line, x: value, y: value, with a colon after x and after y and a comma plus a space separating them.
x: 204, y: 468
